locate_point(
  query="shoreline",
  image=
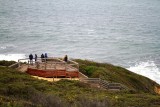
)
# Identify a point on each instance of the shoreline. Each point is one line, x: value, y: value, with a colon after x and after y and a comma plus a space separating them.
x: 147, y: 69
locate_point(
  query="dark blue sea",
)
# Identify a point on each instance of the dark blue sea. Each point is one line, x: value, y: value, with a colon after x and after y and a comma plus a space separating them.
x: 120, y: 32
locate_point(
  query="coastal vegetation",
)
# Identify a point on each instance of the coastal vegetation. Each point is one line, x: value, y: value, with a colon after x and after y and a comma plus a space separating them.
x: 6, y: 63
x: 19, y: 89
x: 117, y: 74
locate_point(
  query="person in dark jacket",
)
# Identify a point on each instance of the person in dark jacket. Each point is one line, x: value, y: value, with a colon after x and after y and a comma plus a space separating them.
x: 35, y: 57
x: 31, y: 58
x: 45, y: 55
x: 42, y: 57
x: 65, y: 58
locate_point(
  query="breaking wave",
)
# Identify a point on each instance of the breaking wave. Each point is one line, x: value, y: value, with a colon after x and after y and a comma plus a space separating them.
x: 12, y: 57
x: 148, y: 69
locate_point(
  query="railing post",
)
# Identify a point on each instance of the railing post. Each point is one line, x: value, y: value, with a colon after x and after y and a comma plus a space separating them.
x: 78, y: 67
x: 28, y: 64
x: 100, y: 82
x: 18, y: 63
x: 53, y: 78
x: 65, y: 66
x: 45, y: 65
x: 55, y: 66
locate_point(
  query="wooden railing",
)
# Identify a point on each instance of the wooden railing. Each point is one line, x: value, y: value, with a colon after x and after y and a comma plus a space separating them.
x: 104, y: 84
x: 50, y: 63
x: 73, y: 64
x: 15, y: 65
x: 46, y: 67
x: 90, y: 80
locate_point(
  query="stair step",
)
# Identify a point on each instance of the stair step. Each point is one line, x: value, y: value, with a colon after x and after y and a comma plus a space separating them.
x: 114, y: 87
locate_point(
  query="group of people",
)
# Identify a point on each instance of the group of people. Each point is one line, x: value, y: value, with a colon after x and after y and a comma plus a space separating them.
x: 43, y: 56
x: 31, y: 58
x: 35, y: 57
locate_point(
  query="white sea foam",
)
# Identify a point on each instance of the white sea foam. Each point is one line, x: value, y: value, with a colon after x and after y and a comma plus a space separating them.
x: 3, y: 47
x: 148, y: 69
x: 12, y: 57
x: 8, y: 46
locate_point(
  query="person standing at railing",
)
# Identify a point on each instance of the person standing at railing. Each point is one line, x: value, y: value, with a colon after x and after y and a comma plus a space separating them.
x: 31, y: 58
x: 65, y: 58
x: 45, y: 56
x: 42, y: 57
x: 35, y: 57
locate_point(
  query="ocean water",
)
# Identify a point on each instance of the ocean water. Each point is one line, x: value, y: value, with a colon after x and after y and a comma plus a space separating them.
x: 121, y: 32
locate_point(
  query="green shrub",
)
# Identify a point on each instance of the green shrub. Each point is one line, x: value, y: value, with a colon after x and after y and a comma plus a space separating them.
x: 6, y: 63
x: 117, y: 74
x: 20, y: 89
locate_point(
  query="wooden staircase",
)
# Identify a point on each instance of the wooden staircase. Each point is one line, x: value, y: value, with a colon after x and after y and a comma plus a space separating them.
x: 103, y: 84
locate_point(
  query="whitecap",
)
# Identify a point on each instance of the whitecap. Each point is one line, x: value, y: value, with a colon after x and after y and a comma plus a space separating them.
x: 8, y: 46
x: 12, y: 57
x: 3, y: 47
x: 148, y: 69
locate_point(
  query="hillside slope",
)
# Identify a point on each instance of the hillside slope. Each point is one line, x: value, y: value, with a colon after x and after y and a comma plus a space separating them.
x: 21, y: 90
x: 118, y: 74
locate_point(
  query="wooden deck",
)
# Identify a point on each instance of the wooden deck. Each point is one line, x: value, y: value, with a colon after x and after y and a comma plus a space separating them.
x: 53, y: 73
x: 51, y: 67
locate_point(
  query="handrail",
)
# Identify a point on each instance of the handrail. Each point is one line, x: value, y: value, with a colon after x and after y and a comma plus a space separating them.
x: 24, y: 59
x: 49, y: 63
x: 51, y: 58
x: 12, y: 66
x: 104, y: 83
x: 60, y: 60
x: 73, y: 62
x: 53, y: 62
x: 88, y: 79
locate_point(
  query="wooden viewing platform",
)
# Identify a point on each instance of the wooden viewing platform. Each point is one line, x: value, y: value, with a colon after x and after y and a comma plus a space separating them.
x: 55, y: 69
x: 50, y: 67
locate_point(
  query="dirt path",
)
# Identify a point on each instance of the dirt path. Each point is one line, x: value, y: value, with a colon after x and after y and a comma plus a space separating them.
x: 23, y: 68
x: 54, y: 79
